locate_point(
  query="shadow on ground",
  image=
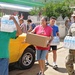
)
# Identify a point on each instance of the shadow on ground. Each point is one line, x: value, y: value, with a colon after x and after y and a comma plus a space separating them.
x: 32, y: 71
x: 62, y: 70
x: 59, y: 69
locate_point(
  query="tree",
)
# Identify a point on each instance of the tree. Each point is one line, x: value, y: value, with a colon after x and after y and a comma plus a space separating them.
x: 70, y: 2
x: 34, y: 11
x: 55, y: 9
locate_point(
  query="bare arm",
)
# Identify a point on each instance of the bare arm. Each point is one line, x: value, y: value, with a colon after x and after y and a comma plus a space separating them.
x: 58, y: 34
x: 30, y: 28
x: 51, y: 38
x: 33, y: 31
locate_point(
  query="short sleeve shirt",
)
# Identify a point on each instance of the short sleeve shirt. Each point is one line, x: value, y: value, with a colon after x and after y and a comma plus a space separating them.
x: 4, y: 43
x: 23, y: 28
x: 47, y: 31
x: 33, y: 25
x: 55, y: 29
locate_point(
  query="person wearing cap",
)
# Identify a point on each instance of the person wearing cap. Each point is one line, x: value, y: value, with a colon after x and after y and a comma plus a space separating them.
x: 70, y: 59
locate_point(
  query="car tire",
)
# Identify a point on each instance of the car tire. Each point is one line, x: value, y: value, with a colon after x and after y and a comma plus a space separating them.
x: 27, y: 59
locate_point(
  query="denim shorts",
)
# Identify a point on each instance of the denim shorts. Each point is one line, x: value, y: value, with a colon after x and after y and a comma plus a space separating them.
x: 4, y: 66
x: 41, y: 54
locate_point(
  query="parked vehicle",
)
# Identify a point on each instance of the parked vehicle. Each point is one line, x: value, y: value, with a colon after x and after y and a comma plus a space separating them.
x: 22, y: 54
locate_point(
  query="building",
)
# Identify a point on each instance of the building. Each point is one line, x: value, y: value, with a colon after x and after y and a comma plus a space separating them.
x: 21, y: 7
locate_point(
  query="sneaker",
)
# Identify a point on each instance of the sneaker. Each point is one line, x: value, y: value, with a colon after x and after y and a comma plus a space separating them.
x: 39, y: 73
x: 55, y: 67
x: 47, y: 63
x: 42, y: 73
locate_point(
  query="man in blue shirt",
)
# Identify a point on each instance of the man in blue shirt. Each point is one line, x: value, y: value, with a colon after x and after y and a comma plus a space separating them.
x: 54, y: 47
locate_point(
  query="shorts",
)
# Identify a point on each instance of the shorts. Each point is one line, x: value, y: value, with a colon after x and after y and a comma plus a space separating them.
x: 41, y: 54
x: 4, y: 66
x: 53, y: 47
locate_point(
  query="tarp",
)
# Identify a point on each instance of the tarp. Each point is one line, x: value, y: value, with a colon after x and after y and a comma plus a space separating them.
x: 24, y: 2
x: 14, y: 7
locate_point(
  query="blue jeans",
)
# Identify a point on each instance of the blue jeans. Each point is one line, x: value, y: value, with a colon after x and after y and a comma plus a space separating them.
x: 4, y: 66
x: 41, y: 54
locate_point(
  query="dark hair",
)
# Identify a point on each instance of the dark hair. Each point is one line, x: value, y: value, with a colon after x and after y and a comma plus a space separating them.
x: 53, y: 17
x: 29, y: 20
x: 45, y: 18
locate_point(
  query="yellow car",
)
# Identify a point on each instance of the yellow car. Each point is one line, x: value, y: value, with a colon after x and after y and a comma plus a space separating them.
x: 22, y: 54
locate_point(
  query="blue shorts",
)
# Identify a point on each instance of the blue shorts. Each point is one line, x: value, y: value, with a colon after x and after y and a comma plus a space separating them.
x: 4, y: 66
x: 41, y: 54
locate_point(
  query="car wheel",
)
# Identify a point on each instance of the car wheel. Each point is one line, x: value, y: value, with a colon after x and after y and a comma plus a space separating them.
x: 28, y: 58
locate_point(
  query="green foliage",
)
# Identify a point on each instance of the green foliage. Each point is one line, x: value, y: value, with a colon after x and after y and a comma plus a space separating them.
x: 70, y: 2
x: 1, y: 14
x: 50, y: 10
x: 35, y: 11
x: 54, y: 9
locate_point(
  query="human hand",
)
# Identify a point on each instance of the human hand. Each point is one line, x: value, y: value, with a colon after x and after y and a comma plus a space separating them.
x: 11, y: 17
x: 48, y: 44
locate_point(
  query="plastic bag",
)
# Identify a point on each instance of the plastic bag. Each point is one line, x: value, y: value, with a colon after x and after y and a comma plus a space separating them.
x: 55, y: 41
x: 8, y: 25
x: 69, y: 42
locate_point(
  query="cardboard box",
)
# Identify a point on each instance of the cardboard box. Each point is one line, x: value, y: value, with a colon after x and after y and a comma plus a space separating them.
x: 37, y: 40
